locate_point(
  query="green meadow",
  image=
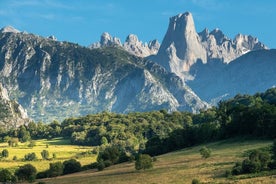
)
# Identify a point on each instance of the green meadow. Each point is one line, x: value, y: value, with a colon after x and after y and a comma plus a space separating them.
x: 60, y: 147
x: 180, y: 167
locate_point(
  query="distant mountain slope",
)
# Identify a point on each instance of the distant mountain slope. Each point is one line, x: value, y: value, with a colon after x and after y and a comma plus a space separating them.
x: 12, y: 114
x: 252, y: 72
x: 54, y: 80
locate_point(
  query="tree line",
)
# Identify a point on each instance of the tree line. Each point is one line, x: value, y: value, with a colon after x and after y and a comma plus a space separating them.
x: 159, y: 131
x: 243, y: 115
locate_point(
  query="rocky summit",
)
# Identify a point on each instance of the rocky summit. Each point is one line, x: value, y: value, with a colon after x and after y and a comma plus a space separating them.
x: 214, y: 66
x: 55, y: 80
x: 132, y: 45
x: 182, y: 46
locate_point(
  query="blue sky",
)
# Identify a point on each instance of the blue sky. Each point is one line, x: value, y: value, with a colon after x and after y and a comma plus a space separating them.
x: 83, y: 21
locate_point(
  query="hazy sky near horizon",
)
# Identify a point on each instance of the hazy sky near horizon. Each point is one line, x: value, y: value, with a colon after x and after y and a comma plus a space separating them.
x: 83, y: 21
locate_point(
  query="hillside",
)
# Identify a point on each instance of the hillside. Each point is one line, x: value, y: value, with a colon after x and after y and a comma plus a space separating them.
x: 12, y: 115
x: 178, y: 167
x: 252, y: 72
x: 55, y: 80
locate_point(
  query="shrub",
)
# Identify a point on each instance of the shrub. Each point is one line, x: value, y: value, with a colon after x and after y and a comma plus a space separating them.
x: 237, y: 169
x: 30, y: 157
x: 205, y: 152
x: 110, y: 153
x: 195, y: 181
x: 45, y: 154
x: 26, y: 172
x: 144, y: 161
x: 107, y: 163
x: 56, y: 169
x: 6, y: 176
x: 32, y: 144
x: 42, y: 174
x: 100, y: 166
x: 71, y: 166
x: 251, y: 166
x: 227, y: 173
x: 54, y: 155
x: 5, y: 153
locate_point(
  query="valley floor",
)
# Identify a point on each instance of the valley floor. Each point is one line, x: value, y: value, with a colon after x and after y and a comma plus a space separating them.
x: 178, y: 167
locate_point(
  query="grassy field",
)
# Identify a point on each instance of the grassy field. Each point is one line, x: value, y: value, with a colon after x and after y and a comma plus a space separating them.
x: 178, y: 167
x: 60, y: 147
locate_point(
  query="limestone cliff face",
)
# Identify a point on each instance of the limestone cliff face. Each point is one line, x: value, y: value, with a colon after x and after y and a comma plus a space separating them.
x: 132, y: 45
x: 55, y: 80
x: 12, y: 114
x: 182, y: 46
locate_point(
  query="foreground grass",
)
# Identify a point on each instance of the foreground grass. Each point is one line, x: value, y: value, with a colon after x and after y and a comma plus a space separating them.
x: 177, y: 167
x: 60, y: 147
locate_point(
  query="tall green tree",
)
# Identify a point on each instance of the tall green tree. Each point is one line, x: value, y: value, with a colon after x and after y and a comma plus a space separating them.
x: 71, y: 166
x: 6, y: 176
x: 26, y: 172
x: 45, y: 154
x: 144, y: 162
x: 5, y: 153
x: 56, y: 169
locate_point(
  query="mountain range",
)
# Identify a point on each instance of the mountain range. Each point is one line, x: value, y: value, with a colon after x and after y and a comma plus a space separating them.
x: 54, y: 80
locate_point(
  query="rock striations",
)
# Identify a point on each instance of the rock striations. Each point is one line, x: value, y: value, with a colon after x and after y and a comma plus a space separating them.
x: 12, y: 114
x: 181, y: 46
x: 55, y: 80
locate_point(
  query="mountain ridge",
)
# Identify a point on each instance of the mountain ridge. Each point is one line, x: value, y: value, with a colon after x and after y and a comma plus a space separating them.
x: 48, y: 77
x: 54, y: 80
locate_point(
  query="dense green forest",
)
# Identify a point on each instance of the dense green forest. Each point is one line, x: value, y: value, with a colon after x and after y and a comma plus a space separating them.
x: 159, y: 131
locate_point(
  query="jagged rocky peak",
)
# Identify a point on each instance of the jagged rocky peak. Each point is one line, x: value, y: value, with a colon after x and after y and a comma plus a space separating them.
x: 132, y: 38
x: 9, y: 29
x: 106, y: 40
x: 132, y: 44
x: 181, y: 46
x: 52, y: 37
x: 136, y: 47
x: 204, y: 34
x: 248, y: 42
x: 219, y: 36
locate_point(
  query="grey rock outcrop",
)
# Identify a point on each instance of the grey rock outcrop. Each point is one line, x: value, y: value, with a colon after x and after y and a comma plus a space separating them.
x: 220, y: 47
x: 9, y: 29
x: 12, y: 114
x: 181, y: 46
x: 132, y: 45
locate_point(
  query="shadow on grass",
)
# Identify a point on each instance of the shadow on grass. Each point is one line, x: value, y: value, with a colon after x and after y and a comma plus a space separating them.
x: 58, y: 141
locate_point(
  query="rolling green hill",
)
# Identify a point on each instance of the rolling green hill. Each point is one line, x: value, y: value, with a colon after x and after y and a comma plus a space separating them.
x: 179, y: 167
